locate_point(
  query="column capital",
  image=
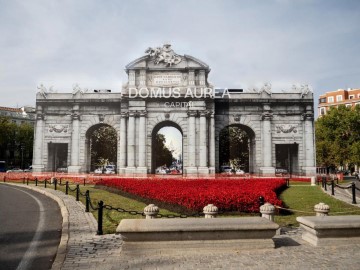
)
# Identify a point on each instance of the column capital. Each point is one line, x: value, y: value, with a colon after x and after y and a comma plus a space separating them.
x: 124, y: 114
x: 192, y: 113
x: 308, y: 116
x: 40, y: 116
x: 75, y: 116
x: 267, y: 116
x: 132, y: 114
x: 143, y: 113
x: 204, y: 113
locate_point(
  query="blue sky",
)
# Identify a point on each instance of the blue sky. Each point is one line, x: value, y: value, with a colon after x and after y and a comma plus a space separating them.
x: 246, y: 43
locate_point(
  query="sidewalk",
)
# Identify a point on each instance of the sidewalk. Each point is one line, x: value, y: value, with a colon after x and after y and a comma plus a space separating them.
x: 86, y: 250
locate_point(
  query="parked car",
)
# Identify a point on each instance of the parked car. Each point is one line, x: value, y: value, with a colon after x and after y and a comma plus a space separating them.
x: 98, y: 170
x: 226, y: 169
x: 239, y: 171
x: 15, y: 170
x: 28, y: 169
x: 62, y: 170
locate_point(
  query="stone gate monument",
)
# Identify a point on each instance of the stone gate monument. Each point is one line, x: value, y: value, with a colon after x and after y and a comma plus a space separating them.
x: 167, y: 89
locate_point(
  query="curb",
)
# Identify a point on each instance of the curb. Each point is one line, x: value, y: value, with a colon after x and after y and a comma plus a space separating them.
x: 62, y: 248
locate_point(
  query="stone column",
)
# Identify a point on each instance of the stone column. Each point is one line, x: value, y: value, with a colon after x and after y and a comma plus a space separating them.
x: 191, y: 169
x: 203, y: 169
x: 142, y: 143
x: 267, y: 168
x: 75, y: 141
x: 210, y: 211
x: 122, y: 159
x: 212, y: 144
x: 38, y: 165
x: 131, y: 144
x: 309, y: 168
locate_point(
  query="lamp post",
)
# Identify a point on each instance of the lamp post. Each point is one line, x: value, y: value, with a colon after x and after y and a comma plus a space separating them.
x: 22, y: 147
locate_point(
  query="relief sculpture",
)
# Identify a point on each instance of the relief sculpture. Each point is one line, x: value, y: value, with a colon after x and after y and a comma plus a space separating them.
x: 286, y: 128
x: 58, y: 128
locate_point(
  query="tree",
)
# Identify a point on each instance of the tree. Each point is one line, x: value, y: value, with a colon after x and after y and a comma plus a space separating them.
x: 16, y: 143
x: 103, y: 144
x: 234, y: 147
x: 163, y: 156
x: 337, y: 136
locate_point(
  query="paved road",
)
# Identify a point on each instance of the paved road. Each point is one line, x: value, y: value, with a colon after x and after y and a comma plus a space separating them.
x: 30, y: 229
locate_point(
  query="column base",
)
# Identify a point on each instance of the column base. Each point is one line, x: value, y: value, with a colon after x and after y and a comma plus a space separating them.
x: 38, y: 168
x: 74, y: 169
x: 141, y: 171
x: 212, y: 170
x: 203, y: 171
x: 191, y: 171
x: 121, y: 171
x: 267, y: 171
x: 309, y: 171
x: 130, y: 171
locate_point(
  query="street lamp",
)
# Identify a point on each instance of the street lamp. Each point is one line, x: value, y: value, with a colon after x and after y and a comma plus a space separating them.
x: 22, y: 147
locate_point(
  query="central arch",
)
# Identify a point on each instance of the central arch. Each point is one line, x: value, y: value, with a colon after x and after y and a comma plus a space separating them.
x: 177, y: 155
x: 101, y: 147
x: 237, y: 148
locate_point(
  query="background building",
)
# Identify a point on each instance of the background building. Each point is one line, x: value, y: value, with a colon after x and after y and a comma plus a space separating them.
x: 349, y: 98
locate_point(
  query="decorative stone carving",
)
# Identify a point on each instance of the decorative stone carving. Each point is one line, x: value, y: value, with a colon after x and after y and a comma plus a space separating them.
x: 101, y: 118
x: 151, y: 211
x: 164, y: 54
x: 58, y: 128
x: 286, y: 128
x: 167, y: 115
x: 124, y: 114
x: 266, y: 88
x: 210, y: 211
x: 321, y: 209
x: 267, y: 211
x: 143, y: 113
x: 192, y: 113
x: 237, y: 117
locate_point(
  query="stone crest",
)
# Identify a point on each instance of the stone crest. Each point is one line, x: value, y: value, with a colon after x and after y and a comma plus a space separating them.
x: 164, y: 55
x: 58, y: 128
x: 286, y: 128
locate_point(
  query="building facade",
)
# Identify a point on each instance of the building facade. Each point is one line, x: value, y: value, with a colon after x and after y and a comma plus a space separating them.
x: 349, y: 98
x: 166, y: 89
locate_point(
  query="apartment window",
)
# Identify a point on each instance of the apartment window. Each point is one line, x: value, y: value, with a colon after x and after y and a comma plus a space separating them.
x: 322, y: 111
x: 330, y: 99
x: 339, y: 98
x: 322, y: 100
x: 351, y: 96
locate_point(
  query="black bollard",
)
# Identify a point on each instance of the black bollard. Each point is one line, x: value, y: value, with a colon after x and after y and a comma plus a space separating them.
x: 332, y: 187
x: 45, y: 182
x: 353, y: 193
x: 24, y: 180
x: 27, y: 181
x: 100, y: 218
x: 55, y: 183
x: 87, y: 196
x: 67, y: 188
x: 84, y: 182
x: 77, y: 192
x: 36, y: 181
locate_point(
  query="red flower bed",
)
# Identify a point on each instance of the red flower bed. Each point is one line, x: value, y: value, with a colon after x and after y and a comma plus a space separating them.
x: 226, y: 194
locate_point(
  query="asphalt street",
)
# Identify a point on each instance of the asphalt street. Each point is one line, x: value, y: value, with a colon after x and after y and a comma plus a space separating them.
x: 30, y: 229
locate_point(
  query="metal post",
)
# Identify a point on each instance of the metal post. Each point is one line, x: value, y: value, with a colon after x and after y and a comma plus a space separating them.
x: 325, y: 185
x: 45, y: 181
x: 261, y: 202
x: 332, y: 187
x: 55, y: 183
x: 100, y: 218
x: 24, y: 180
x: 27, y: 181
x: 84, y: 182
x: 77, y: 192
x: 60, y: 181
x: 4, y: 178
x: 67, y: 188
x: 353, y: 193
x: 36, y: 181
x: 87, y: 196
